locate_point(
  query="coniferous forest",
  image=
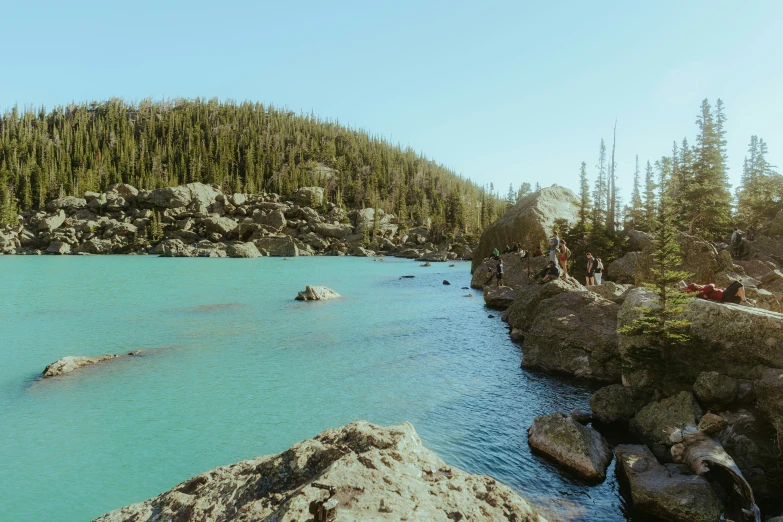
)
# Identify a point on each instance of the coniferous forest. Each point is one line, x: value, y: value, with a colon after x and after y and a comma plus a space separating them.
x: 246, y: 147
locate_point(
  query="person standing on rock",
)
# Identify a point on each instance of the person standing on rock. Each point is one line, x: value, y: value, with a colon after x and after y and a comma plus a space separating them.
x: 736, y: 242
x: 599, y: 270
x: 563, y: 259
x: 499, y: 272
x: 554, y: 243
x: 592, y: 264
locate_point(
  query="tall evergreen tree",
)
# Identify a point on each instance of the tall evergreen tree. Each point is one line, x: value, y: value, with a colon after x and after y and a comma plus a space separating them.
x: 584, y: 196
x: 511, y: 197
x: 706, y: 199
x: 649, y: 199
x: 600, y: 193
x: 636, y: 212
x: 611, y: 215
x: 663, y: 323
x: 760, y: 194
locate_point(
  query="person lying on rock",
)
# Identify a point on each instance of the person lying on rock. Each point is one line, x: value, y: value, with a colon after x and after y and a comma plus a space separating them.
x: 734, y: 293
x: 550, y: 272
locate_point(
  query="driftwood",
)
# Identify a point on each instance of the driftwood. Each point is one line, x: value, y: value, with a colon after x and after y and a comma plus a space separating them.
x: 706, y: 457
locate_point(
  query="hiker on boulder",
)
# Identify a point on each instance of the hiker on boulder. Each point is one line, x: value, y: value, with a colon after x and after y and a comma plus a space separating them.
x: 554, y: 244
x: 736, y: 243
x: 734, y: 293
x: 563, y: 257
x: 592, y: 264
x: 599, y: 270
x: 549, y: 273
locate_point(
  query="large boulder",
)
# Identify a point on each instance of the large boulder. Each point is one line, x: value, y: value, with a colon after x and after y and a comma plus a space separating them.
x: 223, y: 226
x: 378, y: 474
x: 364, y: 220
x: 66, y: 203
x: 566, y: 328
x: 529, y: 223
x: 58, y: 247
x: 309, y: 197
x: 578, y: 448
x: 654, y: 422
x: 613, y: 403
x: 623, y: 270
x: 499, y: 297
x: 94, y: 246
x: 195, y: 195
x: 773, y: 227
x: 715, y: 390
x: 729, y: 339
x: 275, y: 219
x: 278, y: 246
x: 243, y: 250
x: 53, y: 222
x: 699, y: 258
x: 656, y: 491
x: 71, y: 363
x: 172, y: 248
x: 317, y: 293
x: 638, y: 240
x: 332, y: 231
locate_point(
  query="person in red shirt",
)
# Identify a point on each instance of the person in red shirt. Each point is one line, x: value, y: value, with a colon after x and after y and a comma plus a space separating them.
x: 735, y: 293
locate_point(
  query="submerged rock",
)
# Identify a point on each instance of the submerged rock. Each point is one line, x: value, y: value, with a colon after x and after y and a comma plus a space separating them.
x: 71, y: 363
x: 657, y: 491
x: 317, y: 293
x: 378, y: 474
x: 578, y: 448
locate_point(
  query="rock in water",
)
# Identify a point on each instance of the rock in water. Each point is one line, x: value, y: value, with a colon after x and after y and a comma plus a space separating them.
x: 378, y: 473
x: 576, y: 447
x: 528, y: 222
x: 446, y: 282
x: 613, y: 403
x: 71, y: 363
x: 657, y: 492
x: 317, y: 293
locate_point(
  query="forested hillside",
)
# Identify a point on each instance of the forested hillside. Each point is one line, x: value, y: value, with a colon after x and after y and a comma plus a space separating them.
x: 247, y: 147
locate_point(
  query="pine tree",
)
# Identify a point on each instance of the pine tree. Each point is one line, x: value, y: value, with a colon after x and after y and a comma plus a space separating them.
x: 612, y: 203
x: 663, y: 323
x: 584, y: 196
x: 649, y: 199
x: 511, y: 197
x: 538, y: 186
x: 600, y: 193
x: 524, y: 190
x: 760, y: 194
x: 636, y: 212
x: 707, y: 200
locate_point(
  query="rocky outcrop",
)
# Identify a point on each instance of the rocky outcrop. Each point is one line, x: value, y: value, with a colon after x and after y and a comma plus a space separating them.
x: 529, y: 223
x: 283, y: 246
x: 566, y: 328
x: 71, y: 363
x: 665, y: 492
x: 732, y: 340
x: 623, y: 269
x: 317, y: 293
x: 699, y: 258
x: 309, y: 197
x: 378, y: 474
x: 575, y: 447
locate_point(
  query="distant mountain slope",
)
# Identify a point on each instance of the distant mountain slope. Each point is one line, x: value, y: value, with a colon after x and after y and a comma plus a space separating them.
x: 247, y: 147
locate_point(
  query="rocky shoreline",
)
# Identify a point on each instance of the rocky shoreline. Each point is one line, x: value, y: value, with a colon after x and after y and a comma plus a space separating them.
x: 198, y: 220
x: 708, y: 423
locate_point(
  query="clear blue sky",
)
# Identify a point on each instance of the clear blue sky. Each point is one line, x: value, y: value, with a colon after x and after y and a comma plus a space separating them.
x: 502, y: 92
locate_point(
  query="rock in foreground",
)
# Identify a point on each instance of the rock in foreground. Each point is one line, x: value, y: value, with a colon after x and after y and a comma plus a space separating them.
x: 578, y: 448
x: 658, y: 492
x: 317, y: 293
x: 378, y: 474
x: 71, y: 363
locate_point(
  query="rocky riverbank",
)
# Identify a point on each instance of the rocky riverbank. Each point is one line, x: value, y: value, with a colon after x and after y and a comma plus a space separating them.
x: 366, y: 472
x: 708, y: 420
x: 197, y: 220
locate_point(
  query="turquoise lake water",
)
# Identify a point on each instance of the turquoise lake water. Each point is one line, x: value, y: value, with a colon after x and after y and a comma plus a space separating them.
x: 234, y: 368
